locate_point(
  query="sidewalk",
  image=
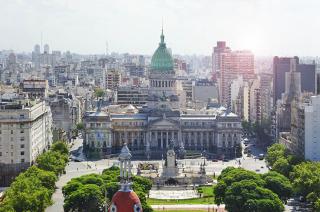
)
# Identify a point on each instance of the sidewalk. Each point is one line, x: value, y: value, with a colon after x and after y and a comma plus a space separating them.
x: 189, y: 207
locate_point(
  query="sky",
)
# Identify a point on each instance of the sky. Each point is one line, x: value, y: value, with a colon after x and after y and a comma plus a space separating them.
x: 266, y: 27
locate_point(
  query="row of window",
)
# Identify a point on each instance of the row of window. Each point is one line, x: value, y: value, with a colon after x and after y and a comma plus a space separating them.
x: 11, y: 125
x: 11, y: 131
x: 229, y: 124
x: 197, y: 123
x: 22, y: 160
x: 11, y: 153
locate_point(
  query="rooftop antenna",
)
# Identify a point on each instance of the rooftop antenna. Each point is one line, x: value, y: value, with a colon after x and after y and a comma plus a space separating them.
x: 41, y: 41
x: 107, y: 48
x: 162, y: 27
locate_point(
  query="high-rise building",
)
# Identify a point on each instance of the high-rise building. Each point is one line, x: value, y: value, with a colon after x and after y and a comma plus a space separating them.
x: 311, y: 131
x: 46, y: 49
x: 218, y: 51
x: 113, y: 79
x: 232, y: 65
x: 281, y: 65
x: 25, y: 132
x: 35, y: 88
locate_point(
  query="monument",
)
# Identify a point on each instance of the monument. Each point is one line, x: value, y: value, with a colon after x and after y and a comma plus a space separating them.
x: 170, y: 168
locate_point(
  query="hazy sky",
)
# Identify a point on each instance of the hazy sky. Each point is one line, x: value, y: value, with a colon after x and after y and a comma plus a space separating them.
x: 267, y: 27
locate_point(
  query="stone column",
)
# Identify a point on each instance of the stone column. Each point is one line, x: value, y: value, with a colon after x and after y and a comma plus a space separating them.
x: 167, y: 138
x: 201, y: 141
x: 148, y: 140
x: 156, y: 136
x: 138, y: 139
x: 121, y: 169
x: 208, y: 141
x: 129, y: 169
x: 161, y: 137
x: 125, y: 168
x: 196, y: 140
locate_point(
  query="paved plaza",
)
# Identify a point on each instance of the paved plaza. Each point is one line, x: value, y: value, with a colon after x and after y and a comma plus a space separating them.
x: 173, y: 194
x: 77, y: 169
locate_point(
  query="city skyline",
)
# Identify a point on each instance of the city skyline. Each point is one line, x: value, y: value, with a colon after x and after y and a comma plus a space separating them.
x: 265, y: 27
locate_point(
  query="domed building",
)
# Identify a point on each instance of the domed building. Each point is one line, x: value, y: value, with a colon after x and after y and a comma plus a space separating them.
x: 125, y: 200
x: 162, y: 79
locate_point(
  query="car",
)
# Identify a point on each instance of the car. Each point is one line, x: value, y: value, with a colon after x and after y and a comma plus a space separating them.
x: 262, y: 167
x: 261, y: 156
x: 215, y: 160
x: 257, y: 170
x: 225, y: 160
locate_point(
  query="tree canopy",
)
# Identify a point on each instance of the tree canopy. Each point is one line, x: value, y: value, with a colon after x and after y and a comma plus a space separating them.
x: 242, y: 190
x: 32, y: 189
x: 105, y: 183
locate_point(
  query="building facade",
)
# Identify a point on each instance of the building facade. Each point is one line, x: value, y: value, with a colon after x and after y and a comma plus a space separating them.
x: 281, y: 66
x: 25, y: 132
x: 152, y: 132
x: 150, y: 129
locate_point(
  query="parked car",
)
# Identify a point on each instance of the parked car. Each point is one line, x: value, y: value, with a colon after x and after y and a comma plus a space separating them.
x: 215, y: 160
x: 261, y: 156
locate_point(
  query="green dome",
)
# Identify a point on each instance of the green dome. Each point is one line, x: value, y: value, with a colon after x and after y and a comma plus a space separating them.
x: 162, y: 60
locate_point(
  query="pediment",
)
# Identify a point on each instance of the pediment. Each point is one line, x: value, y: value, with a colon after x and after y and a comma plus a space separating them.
x: 164, y: 123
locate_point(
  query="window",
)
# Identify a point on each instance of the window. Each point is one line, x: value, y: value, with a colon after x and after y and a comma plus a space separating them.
x: 0, y: 132
x: 0, y: 154
x: 22, y: 146
x: 21, y: 131
x: 11, y: 131
x: 22, y: 160
x: 11, y: 146
x: 21, y: 116
x: 22, y: 153
x: 11, y: 154
x: 22, y: 139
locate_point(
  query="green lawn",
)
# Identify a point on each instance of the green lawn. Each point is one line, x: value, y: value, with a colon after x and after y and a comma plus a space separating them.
x: 207, y: 198
x: 179, y: 210
x: 204, y: 201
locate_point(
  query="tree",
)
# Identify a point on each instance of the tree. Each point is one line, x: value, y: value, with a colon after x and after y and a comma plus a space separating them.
x: 98, y: 92
x: 231, y: 175
x: 279, y: 184
x: 107, y: 182
x: 282, y: 166
x: 60, y: 147
x: 247, y: 196
x: 47, y: 178
x: 275, y: 152
x: 52, y: 161
x: 71, y: 186
x: 27, y: 194
x: 80, y: 126
x: 305, y: 178
x: 87, y: 198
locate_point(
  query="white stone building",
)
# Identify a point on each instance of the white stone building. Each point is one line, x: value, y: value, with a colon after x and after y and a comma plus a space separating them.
x: 25, y: 132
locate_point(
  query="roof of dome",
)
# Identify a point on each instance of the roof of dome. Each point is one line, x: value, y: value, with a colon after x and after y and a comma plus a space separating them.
x: 125, y: 201
x: 125, y: 153
x: 162, y: 59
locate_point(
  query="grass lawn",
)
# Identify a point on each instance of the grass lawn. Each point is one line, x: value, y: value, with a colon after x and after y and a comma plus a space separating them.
x: 204, y: 201
x: 178, y: 210
x: 207, y: 198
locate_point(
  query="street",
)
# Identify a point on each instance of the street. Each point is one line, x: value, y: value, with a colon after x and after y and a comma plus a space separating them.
x: 77, y: 169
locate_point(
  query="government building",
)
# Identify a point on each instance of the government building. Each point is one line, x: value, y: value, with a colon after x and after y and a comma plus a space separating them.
x: 148, y: 130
